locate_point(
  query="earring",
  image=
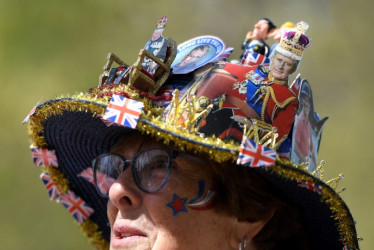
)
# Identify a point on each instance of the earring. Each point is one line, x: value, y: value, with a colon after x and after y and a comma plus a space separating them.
x: 244, y: 245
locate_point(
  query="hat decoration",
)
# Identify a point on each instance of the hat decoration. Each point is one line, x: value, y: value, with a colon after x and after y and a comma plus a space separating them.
x: 294, y: 41
x: 162, y: 22
x: 88, y: 124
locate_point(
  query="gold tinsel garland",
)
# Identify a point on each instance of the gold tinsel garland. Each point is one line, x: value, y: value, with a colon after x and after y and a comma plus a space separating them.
x: 329, y: 196
x: 91, y: 230
x: 215, y: 148
x: 56, y: 107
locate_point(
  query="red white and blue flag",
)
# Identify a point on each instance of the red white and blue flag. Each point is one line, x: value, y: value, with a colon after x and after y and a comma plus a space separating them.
x: 76, y: 206
x: 310, y: 186
x: 224, y: 55
x: 50, y: 185
x: 255, y: 155
x: 346, y: 248
x: 42, y: 156
x: 254, y: 58
x: 296, y: 84
x: 123, y: 111
x: 103, y: 182
x: 108, y: 123
x: 30, y: 113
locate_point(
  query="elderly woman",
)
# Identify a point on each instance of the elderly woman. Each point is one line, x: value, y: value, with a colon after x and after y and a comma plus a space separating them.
x: 151, y: 202
x: 137, y: 176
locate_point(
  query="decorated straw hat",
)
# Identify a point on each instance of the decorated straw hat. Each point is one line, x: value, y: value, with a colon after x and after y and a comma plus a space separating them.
x: 68, y: 132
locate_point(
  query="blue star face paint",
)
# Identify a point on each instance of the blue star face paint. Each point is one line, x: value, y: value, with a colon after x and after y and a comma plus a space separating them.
x: 177, y: 204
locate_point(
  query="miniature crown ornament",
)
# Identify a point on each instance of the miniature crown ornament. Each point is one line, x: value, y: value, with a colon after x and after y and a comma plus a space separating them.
x: 186, y: 113
x: 294, y: 41
x: 262, y: 133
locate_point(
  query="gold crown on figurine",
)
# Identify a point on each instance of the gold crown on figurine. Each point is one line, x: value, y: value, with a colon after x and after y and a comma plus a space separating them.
x: 162, y: 22
x: 294, y: 41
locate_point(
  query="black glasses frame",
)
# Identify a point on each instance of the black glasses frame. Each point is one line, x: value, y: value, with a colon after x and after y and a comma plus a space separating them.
x: 171, y: 153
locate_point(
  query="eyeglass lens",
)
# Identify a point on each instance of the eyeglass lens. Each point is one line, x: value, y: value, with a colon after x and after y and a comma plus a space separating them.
x: 150, y: 170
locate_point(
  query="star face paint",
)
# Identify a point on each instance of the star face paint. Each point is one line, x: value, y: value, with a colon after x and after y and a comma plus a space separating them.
x: 178, y: 204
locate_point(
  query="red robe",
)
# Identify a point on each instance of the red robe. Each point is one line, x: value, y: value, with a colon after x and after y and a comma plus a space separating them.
x: 279, y: 104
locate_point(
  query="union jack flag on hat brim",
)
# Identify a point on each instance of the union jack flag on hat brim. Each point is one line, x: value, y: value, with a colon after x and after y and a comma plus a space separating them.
x: 76, y: 206
x: 50, y: 185
x: 255, y: 154
x: 42, y: 156
x: 310, y: 186
x: 27, y: 118
x: 123, y: 111
x: 104, y: 182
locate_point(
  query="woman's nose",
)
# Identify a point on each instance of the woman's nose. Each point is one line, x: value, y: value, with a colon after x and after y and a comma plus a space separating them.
x: 124, y: 193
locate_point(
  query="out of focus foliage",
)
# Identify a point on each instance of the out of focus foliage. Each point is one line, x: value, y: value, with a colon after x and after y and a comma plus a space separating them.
x: 49, y: 48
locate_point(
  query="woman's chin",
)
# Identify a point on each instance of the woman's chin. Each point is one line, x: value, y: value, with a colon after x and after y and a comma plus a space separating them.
x: 130, y: 242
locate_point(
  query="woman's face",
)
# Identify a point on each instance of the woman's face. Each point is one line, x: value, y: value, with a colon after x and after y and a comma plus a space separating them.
x: 163, y: 220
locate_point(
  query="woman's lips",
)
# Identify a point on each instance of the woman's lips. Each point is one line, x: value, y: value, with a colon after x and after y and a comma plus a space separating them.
x: 126, y: 231
x: 126, y: 235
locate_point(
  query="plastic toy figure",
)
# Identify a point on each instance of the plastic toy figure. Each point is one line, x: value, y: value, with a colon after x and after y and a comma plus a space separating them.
x: 255, y: 40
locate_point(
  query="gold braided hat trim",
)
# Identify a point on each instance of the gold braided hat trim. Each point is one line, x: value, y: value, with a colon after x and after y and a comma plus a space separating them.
x: 214, y: 148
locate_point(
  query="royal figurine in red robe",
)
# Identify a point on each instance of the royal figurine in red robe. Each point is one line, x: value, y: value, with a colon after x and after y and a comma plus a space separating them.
x: 258, y: 92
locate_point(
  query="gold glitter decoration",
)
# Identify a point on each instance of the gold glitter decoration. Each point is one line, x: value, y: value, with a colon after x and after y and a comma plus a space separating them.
x: 42, y: 113
x: 58, y: 178
x: 57, y: 107
x: 187, y: 114
x: 178, y: 128
x: 333, y: 183
x: 91, y: 230
x: 262, y: 133
x: 329, y: 196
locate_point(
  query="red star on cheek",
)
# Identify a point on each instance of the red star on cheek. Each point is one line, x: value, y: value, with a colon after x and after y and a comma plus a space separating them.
x: 177, y: 204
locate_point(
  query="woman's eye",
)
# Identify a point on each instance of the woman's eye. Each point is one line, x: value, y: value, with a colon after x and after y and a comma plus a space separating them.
x: 159, y: 164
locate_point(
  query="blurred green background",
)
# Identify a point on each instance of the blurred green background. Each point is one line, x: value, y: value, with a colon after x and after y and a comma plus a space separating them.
x: 49, y: 48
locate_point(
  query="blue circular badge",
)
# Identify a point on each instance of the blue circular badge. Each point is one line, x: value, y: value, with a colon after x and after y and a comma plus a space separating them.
x: 197, y: 52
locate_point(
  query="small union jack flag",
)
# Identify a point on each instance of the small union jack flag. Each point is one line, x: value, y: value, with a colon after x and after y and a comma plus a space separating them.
x: 254, y: 154
x: 224, y: 55
x: 123, y: 111
x: 103, y: 182
x: 50, y: 186
x: 43, y: 156
x: 346, y: 248
x: 76, y: 206
x: 310, y: 186
x: 108, y: 123
x: 296, y: 84
x: 30, y: 113
x: 254, y: 58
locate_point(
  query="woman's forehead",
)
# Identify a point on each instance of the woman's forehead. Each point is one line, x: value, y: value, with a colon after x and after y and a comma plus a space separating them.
x: 134, y: 142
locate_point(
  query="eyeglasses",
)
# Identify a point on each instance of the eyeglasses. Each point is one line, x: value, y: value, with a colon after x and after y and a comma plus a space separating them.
x: 150, y: 169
